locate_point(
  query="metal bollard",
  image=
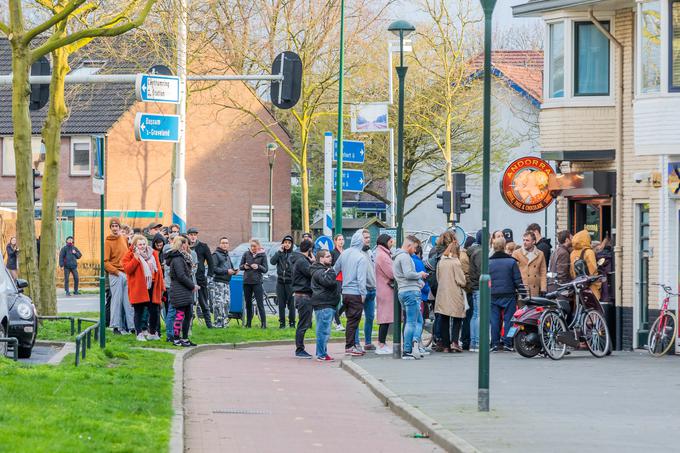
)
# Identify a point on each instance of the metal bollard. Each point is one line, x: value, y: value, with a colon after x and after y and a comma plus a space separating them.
x: 89, y: 339
x: 77, y: 351
x: 80, y: 325
x: 73, y: 329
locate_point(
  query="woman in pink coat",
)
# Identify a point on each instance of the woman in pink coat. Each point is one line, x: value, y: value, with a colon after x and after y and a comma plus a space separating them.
x: 384, y: 279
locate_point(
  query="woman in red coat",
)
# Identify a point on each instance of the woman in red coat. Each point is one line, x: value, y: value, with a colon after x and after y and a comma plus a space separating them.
x: 145, y: 285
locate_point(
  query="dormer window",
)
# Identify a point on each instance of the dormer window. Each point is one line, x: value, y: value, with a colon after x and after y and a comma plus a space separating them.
x: 89, y: 67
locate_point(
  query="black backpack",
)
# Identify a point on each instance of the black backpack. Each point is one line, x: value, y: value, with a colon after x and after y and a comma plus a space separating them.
x: 431, y: 269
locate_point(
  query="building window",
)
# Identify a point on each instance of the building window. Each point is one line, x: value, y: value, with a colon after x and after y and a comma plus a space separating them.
x: 556, y: 63
x: 675, y: 46
x: 9, y: 162
x: 259, y: 218
x: 591, y: 60
x: 80, y: 156
x: 650, y: 47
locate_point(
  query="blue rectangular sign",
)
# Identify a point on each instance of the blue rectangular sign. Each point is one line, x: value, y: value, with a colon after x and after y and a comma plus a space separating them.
x: 352, y: 180
x: 157, y: 128
x: 157, y: 88
x: 352, y: 151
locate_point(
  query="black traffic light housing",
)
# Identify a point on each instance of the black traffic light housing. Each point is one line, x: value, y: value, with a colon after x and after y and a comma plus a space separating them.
x: 460, y: 203
x: 445, y: 205
x: 40, y: 93
x: 286, y: 93
x: 37, y: 183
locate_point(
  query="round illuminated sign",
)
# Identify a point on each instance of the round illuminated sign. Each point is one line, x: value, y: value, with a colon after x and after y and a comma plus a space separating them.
x: 524, y: 186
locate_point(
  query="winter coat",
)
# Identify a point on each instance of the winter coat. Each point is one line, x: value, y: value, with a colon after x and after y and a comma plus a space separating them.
x: 67, y: 258
x: 324, y: 285
x: 335, y: 254
x: 545, y: 246
x: 384, y: 277
x: 465, y: 264
x: 534, y: 272
x: 12, y: 258
x: 475, y: 255
x: 581, y: 246
x: 284, y: 262
x: 203, y: 256
x: 221, y: 265
x: 506, y: 278
x: 301, y: 275
x: 420, y: 267
x: 180, y: 293
x: 560, y: 264
x: 254, y: 276
x: 354, y: 267
x: 115, y: 248
x: 137, y: 290
x: 450, y: 300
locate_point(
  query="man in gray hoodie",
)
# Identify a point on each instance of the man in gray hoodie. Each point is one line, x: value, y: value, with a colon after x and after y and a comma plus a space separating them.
x: 409, y: 283
x: 353, y: 264
x: 369, y: 301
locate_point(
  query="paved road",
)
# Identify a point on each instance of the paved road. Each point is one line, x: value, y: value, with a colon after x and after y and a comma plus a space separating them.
x: 75, y: 304
x: 41, y: 354
x: 264, y: 400
x: 624, y: 403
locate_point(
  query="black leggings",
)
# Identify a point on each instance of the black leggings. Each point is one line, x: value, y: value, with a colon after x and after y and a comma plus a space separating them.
x: 154, y: 320
x: 183, y: 321
x: 248, y: 291
x: 445, y: 329
x: 382, y: 332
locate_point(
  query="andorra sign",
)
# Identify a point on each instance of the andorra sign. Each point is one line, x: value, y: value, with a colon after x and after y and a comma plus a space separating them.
x: 524, y: 186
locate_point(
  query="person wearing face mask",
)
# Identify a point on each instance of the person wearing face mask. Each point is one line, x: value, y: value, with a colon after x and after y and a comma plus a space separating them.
x: 115, y: 247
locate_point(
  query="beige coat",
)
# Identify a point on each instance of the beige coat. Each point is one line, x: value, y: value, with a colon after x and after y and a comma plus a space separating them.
x: 534, y: 272
x: 450, y: 300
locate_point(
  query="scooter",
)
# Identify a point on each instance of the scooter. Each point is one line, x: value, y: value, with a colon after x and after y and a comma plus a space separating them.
x: 524, y: 330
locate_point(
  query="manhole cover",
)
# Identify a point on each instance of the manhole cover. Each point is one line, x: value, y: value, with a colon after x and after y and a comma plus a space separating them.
x: 242, y: 412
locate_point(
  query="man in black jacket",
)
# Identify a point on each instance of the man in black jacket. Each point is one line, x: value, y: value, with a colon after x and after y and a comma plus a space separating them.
x: 224, y: 269
x: 302, y: 291
x: 543, y: 244
x: 284, y: 260
x: 324, y: 300
x: 203, y: 256
x: 68, y: 261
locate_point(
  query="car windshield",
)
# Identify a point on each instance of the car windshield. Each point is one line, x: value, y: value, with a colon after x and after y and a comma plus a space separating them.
x: 6, y: 281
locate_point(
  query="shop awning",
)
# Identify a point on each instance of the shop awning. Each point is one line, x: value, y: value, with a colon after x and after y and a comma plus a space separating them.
x: 580, y: 156
x: 584, y: 184
x: 538, y: 7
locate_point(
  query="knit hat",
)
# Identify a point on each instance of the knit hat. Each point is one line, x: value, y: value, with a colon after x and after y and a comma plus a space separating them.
x: 287, y: 237
x: 306, y: 246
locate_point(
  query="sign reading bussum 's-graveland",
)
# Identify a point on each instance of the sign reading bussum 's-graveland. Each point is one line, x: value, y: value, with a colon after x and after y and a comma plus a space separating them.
x: 156, y: 128
x: 524, y: 185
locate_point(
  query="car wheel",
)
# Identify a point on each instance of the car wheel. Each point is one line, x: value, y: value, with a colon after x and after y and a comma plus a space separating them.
x: 25, y: 352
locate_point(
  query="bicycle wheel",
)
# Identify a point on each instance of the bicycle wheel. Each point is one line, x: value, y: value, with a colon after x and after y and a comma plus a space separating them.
x: 596, y: 334
x: 662, y: 334
x: 549, y: 327
x: 271, y: 304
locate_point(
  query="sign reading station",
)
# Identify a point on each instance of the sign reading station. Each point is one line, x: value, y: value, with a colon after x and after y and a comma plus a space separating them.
x: 524, y: 186
x: 157, y: 88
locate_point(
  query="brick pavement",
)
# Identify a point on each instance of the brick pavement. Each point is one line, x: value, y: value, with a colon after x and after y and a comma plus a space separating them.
x: 290, y: 405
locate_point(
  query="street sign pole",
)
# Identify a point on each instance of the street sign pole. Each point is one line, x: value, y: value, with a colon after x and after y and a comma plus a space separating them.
x: 341, y: 76
x: 101, y: 150
x: 179, y: 185
x: 328, y: 185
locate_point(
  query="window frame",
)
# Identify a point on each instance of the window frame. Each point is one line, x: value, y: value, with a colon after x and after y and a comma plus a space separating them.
x: 80, y: 140
x: 574, y: 49
x: 8, y: 146
x: 669, y: 71
x: 260, y: 209
x: 638, y: 40
x: 548, y: 56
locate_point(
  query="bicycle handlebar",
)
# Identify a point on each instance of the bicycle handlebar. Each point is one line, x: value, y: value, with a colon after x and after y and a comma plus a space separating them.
x: 667, y: 289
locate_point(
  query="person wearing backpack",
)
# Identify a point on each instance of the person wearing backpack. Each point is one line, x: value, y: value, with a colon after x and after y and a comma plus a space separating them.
x: 582, y: 250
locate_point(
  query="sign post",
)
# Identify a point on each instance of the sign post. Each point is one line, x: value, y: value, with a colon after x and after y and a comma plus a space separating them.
x: 352, y: 180
x: 327, y: 188
x: 157, y: 128
x: 98, y: 187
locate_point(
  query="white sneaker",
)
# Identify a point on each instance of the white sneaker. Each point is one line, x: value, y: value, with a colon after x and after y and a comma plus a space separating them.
x: 360, y: 348
x: 141, y: 337
x: 339, y: 328
x: 474, y: 349
x: 153, y: 337
x: 145, y: 333
x: 423, y: 351
x: 384, y: 350
x: 416, y: 351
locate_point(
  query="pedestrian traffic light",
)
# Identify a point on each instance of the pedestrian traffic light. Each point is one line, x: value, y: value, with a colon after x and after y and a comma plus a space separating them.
x: 286, y: 93
x: 445, y: 205
x: 40, y: 93
x: 460, y: 204
x: 36, y: 185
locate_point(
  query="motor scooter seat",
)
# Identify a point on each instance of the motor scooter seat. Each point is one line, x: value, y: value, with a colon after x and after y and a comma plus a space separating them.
x: 540, y: 301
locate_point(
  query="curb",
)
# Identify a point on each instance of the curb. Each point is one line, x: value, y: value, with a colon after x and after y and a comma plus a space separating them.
x: 438, y: 434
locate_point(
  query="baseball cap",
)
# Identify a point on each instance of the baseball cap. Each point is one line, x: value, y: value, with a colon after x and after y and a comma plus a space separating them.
x: 192, y: 230
x: 153, y: 225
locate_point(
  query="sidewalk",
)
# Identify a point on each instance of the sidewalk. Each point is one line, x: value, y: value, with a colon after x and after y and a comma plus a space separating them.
x: 628, y: 402
x: 264, y: 400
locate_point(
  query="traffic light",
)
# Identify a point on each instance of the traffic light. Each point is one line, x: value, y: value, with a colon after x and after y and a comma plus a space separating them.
x: 445, y: 205
x: 460, y: 204
x: 286, y: 93
x: 40, y: 93
x: 36, y: 185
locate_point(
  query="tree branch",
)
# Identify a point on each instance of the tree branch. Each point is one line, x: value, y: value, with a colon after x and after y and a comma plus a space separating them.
x: 423, y: 200
x: 4, y: 28
x: 51, y: 22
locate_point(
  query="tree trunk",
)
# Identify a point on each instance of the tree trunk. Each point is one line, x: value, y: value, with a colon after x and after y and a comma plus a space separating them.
x: 50, y: 190
x: 448, y: 177
x: 305, y: 195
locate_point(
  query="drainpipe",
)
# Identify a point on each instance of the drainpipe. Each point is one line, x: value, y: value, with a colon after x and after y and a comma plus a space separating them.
x: 618, y: 218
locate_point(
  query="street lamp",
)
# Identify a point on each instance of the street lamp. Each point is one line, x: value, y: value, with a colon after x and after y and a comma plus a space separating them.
x: 402, y: 29
x: 271, y: 155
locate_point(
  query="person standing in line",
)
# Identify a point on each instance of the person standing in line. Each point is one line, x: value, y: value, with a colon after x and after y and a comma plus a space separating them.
x: 203, y: 257
x: 145, y: 286
x: 68, y: 261
x: 582, y: 250
x: 559, y: 261
x: 369, y: 302
x: 542, y: 243
x: 115, y: 247
x: 173, y: 232
x: 338, y: 248
x: 506, y: 280
x: 284, y: 260
x: 384, y: 278
x: 450, y: 300
x: 354, y: 267
x: 532, y: 265
x: 302, y: 291
x: 254, y: 265
x: 181, y: 293
x: 409, y: 283
x: 424, y: 291
x: 324, y: 285
x: 13, y: 257
x: 224, y: 270
x: 475, y: 255
x: 435, y: 255
x: 152, y: 230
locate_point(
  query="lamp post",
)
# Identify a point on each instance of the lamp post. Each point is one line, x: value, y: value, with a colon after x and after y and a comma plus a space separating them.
x: 484, y: 280
x: 402, y: 29
x: 338, y: 169
x: 271, y: 155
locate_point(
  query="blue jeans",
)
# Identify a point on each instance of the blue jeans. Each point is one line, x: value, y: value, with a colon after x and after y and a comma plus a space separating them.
x: 474, y: 322
x: 170, y: 321
x: 498, y: 304
x: 410, y: 303
x: 324, y: 317
x: 369, y: 316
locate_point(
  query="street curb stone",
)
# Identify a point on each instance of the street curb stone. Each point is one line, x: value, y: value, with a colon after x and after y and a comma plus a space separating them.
x: 438, y: 434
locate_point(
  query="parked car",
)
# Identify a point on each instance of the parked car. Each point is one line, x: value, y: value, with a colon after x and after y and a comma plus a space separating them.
x: 4, y: 322
x: 21, y: 319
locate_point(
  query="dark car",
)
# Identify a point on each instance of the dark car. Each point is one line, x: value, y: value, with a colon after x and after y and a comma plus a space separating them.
x: 22, y: 318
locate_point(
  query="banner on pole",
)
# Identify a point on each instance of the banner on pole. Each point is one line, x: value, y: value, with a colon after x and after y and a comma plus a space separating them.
x: 369, y: 118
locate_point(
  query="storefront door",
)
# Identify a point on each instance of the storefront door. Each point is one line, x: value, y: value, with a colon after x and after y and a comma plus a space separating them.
x: 642, y: 277
x: 593, y: 215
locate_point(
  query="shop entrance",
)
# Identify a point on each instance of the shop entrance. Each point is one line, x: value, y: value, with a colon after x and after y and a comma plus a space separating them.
x: 642, y: 273
x: 593, y: 215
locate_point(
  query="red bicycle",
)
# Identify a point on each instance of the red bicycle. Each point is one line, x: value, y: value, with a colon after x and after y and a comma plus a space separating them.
x: 665, y: 329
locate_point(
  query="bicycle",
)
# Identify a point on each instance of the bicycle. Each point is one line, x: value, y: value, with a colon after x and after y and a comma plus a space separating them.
x: 663, y: 332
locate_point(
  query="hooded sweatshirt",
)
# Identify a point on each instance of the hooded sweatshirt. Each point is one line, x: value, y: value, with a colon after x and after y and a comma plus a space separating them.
x: 115, y: 247
x: 405, y: 272
x: 370, y: 275
x: 354, y: 267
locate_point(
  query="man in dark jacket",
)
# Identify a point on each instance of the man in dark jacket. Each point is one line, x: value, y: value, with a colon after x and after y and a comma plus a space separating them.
x: 543, y: 244
x: 68, y: 261
x: 203, y: 256
x: 506, y: 279
x: 224, y: 269
x: 302, y: 291
x: 324, y: 300
x: 559, y: 263
x: 284, y: 260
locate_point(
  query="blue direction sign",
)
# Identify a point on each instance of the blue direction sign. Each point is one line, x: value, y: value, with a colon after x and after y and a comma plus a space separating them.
x: 352, y: 151
x: 157, y: 88
x: 156, y: 128
x: 352, y: 180
x: 323, y: 243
